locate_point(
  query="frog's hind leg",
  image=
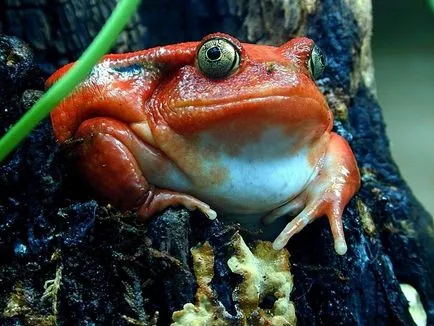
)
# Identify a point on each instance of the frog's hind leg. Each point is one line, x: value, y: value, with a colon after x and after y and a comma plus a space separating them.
x: 108, y: 165
x: 107, y: 158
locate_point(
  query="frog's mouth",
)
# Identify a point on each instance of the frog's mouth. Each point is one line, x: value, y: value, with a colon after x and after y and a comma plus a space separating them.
x: 292, y: 112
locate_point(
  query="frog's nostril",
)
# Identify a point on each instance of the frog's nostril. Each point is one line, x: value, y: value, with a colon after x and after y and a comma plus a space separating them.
x: 270, y: 67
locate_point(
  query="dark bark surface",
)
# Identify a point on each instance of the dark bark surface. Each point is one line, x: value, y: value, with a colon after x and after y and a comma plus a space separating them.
x: 115, y: 270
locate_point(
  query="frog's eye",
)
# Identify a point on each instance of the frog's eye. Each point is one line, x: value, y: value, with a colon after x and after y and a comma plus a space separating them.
x: 218, y: 58
x: 316, y: 63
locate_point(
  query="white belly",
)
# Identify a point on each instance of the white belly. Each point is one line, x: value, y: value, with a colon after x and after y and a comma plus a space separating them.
x: 257, y: 186
x: 261, y: 175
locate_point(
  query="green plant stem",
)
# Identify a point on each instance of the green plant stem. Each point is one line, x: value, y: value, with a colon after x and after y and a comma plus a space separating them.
x: 100, y: 45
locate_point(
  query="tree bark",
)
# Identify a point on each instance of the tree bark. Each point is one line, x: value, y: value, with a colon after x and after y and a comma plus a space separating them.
x: 114, y: 270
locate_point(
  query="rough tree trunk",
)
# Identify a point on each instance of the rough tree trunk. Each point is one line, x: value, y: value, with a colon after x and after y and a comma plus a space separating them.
x: 109, y: 269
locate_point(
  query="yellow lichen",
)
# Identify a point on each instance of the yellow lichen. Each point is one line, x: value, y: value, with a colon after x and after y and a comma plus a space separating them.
x: 51, y: 287
x: 152, y: 322
x: 366, y: 218
x: 18, y: 305
x: 207, y: 310
x: 408, y: 228
x: 265, y: 272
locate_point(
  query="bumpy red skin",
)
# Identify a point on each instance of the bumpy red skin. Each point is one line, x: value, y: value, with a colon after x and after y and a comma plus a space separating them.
x: 138, y: 116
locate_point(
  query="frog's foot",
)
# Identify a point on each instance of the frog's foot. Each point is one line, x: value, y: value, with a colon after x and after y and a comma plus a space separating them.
x: 158, y: 200
x: 335, y: 184
x: 313, y: 210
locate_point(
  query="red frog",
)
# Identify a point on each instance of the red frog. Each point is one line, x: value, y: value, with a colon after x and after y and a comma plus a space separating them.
x: 218, y: 126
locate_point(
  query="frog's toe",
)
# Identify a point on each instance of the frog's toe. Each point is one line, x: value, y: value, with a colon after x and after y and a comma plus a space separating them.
x: 335, y: 220
x: 204, y: 208
x: 192, y: 204
x: 340, y: 246
x: 293, y: 227
x: 211, y: 214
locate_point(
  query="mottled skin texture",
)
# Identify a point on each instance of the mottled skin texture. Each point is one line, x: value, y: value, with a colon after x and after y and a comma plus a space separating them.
x: 154, y: 131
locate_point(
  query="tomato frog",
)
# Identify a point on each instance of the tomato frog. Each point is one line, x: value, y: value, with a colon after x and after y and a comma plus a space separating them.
x: 217, y: 125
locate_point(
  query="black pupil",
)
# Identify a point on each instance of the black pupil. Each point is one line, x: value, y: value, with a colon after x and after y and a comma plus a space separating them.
x: 213, y: 53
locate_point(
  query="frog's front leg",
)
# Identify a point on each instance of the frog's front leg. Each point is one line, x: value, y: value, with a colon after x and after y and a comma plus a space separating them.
x: 109, y: 156
x: 328, y: 194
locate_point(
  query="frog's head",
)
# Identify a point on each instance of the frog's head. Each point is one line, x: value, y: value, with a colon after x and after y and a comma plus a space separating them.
x: 241, y: 89
x: 219, y: 86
